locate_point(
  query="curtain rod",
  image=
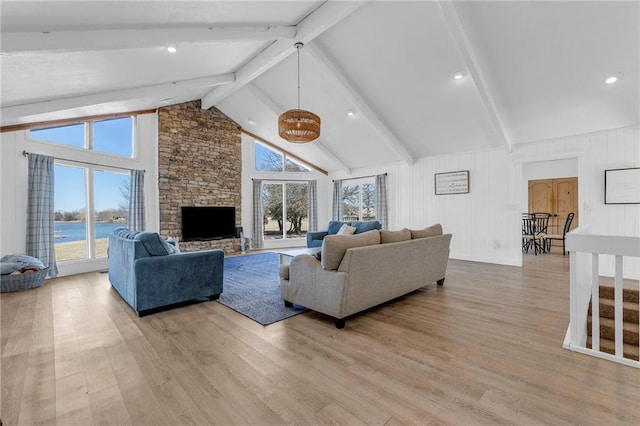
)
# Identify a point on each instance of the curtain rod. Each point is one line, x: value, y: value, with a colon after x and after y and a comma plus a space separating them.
x: 359, y: 177
x: 283, y: 180
x: 26, y: 154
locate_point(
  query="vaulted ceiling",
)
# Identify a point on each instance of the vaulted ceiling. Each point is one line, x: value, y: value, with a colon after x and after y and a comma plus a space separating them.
x: 532, y: 70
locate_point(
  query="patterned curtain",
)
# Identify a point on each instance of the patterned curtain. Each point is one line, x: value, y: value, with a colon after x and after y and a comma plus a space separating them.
x: 313, y: 205
x: 337, y: 200
x: 258, y: 215
x: 381, y: 199
x: 136, y: 201
x: 40, y: 210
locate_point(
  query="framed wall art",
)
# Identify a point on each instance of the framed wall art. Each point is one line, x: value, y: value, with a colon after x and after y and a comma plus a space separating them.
x: 622, y: 186
x: 452, y: 182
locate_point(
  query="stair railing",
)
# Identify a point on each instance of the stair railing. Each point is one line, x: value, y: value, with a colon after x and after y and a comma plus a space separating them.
x: 585, y: 250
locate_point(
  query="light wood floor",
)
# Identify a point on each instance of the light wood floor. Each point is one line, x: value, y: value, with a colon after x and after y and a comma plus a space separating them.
x: 483, y: 349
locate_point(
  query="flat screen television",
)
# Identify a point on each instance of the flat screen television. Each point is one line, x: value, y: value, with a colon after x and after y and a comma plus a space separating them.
x: 208, y: 223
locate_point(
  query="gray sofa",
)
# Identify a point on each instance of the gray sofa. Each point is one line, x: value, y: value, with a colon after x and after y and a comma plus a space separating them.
x: 357, y: 272
x: 149, y: 278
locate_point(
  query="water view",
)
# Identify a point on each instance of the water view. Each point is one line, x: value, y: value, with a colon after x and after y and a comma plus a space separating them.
x: 77, y: 231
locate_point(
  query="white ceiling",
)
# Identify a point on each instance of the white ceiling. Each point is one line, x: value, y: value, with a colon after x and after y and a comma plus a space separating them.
x: 533, y: 70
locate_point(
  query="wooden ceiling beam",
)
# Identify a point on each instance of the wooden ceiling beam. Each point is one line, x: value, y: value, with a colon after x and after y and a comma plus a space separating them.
x: 21, y: 43
x: 456, y: 29
x: 348, y: 88
x: 11, y: 113
x: 323, y: 18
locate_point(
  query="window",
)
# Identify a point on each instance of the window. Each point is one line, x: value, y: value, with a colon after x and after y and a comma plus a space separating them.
x: 90, y: 200
x: 113, y: 136
x: 268, y: 160
x: 286, y: 210
x: 359, y: 201
x: 109, y: 192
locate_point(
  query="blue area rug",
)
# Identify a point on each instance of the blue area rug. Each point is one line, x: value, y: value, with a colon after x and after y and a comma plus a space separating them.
x: 252, y: 288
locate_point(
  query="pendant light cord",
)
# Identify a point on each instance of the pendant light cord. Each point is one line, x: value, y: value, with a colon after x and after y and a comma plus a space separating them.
x: 298, y: 47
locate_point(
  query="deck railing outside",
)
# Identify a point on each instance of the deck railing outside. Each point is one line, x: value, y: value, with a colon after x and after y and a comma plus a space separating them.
x: 585, y: 250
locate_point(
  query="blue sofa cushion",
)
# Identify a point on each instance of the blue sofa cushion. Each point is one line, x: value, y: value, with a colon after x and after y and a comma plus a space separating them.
x: 361, y: 226
x: 153, y: 243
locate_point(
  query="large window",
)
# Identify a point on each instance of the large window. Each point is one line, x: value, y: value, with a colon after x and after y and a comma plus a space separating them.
x: 359, y: 201
x: 286, y: 210
x: 268, y: 160
x: 113, y: 136
x: 90, y: 200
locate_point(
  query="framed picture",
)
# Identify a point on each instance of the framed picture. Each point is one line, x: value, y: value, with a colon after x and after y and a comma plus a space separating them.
x: 622, y: 186
x: 452, y: 182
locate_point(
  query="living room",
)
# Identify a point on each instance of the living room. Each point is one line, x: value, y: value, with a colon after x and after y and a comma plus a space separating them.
x: 484, y: 348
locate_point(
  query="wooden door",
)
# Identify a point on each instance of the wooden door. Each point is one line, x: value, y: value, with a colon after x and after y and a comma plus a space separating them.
x: 566, y: 201
x: 556, y: 196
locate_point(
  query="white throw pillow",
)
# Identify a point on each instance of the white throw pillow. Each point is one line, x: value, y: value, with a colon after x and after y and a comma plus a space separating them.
x: 346, y: 230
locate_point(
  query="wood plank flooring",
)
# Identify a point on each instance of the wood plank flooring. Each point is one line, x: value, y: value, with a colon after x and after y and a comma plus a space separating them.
x: 486, y: 348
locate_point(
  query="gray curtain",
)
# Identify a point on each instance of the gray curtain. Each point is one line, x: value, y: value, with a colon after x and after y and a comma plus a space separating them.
x: 136, y: 201
x: 381, y: 199
x: 40, y: 210
x: 313, y: 205
x: 337, y: 200
x: 258, y: 216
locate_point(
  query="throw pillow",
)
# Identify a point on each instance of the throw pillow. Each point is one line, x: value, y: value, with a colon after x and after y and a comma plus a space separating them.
x: 346, y: 230
x: 394, y: 236
x: 335, y: 246
x: 430, y: 231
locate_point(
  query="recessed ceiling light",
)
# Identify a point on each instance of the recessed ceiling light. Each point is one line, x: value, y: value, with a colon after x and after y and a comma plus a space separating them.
x: 611, y: 79
x: 351, y: 113
x: 250, y: 121
x: 171, y: 49
x: 165, y: 101
x: 458, y: 75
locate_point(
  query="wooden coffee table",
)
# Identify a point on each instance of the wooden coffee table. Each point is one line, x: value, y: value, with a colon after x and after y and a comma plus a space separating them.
x: 287, y: 255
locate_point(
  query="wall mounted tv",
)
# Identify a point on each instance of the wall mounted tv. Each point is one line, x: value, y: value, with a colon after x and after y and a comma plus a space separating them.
x: 208, y: 223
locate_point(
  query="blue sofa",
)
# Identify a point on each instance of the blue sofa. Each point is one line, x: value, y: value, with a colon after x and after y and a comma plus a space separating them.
x: 314, y: 239
x: 149, y: 278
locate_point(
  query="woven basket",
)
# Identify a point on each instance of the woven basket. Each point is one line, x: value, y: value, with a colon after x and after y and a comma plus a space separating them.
x: 23, y: 281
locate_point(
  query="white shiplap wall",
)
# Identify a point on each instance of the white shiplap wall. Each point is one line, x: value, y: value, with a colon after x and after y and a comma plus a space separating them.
x: 486, y: 222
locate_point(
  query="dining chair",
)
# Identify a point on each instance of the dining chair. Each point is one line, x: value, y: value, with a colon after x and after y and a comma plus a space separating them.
x: 563, y: 237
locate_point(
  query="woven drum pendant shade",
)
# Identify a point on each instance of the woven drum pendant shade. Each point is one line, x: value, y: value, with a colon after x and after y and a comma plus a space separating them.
x: 299, y: 126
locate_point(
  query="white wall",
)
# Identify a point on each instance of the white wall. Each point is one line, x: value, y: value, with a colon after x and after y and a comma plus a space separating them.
x: 13, y: 174
x: 249, y: 173
x: 486, y: 222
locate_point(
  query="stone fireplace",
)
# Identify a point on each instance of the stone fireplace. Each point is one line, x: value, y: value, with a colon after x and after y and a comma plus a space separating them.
x: 199, y: 164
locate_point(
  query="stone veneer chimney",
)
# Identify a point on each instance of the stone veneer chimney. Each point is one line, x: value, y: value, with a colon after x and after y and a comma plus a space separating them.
x: 199, y: 164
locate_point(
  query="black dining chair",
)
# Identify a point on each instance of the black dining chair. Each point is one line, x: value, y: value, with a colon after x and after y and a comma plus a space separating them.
x: 563, y: 237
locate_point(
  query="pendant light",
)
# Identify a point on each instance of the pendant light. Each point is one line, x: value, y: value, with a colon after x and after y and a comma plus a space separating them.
x: 298, y: 125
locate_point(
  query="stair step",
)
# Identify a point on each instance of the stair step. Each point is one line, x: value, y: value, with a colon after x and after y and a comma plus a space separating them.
x: 609, y: 346
x: 630, y: 310
x: 630, y: 333
x: 628, y: 295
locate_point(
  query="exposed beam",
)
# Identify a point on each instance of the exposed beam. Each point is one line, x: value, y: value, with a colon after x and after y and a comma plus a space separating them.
x: 323, y: 18
x: 18, y: 43
x: 348, y: 88
x: 457, y: 31
x: 13, y: 112
x: 277, y: 109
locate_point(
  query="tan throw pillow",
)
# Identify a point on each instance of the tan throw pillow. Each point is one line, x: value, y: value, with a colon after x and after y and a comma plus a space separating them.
x: 430, y: 231
x: 334, y: 246
x: 394, y: 236
x: 346, y: 230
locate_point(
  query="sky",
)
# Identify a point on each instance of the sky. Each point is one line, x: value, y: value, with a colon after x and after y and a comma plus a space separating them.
x: 109, y: 136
